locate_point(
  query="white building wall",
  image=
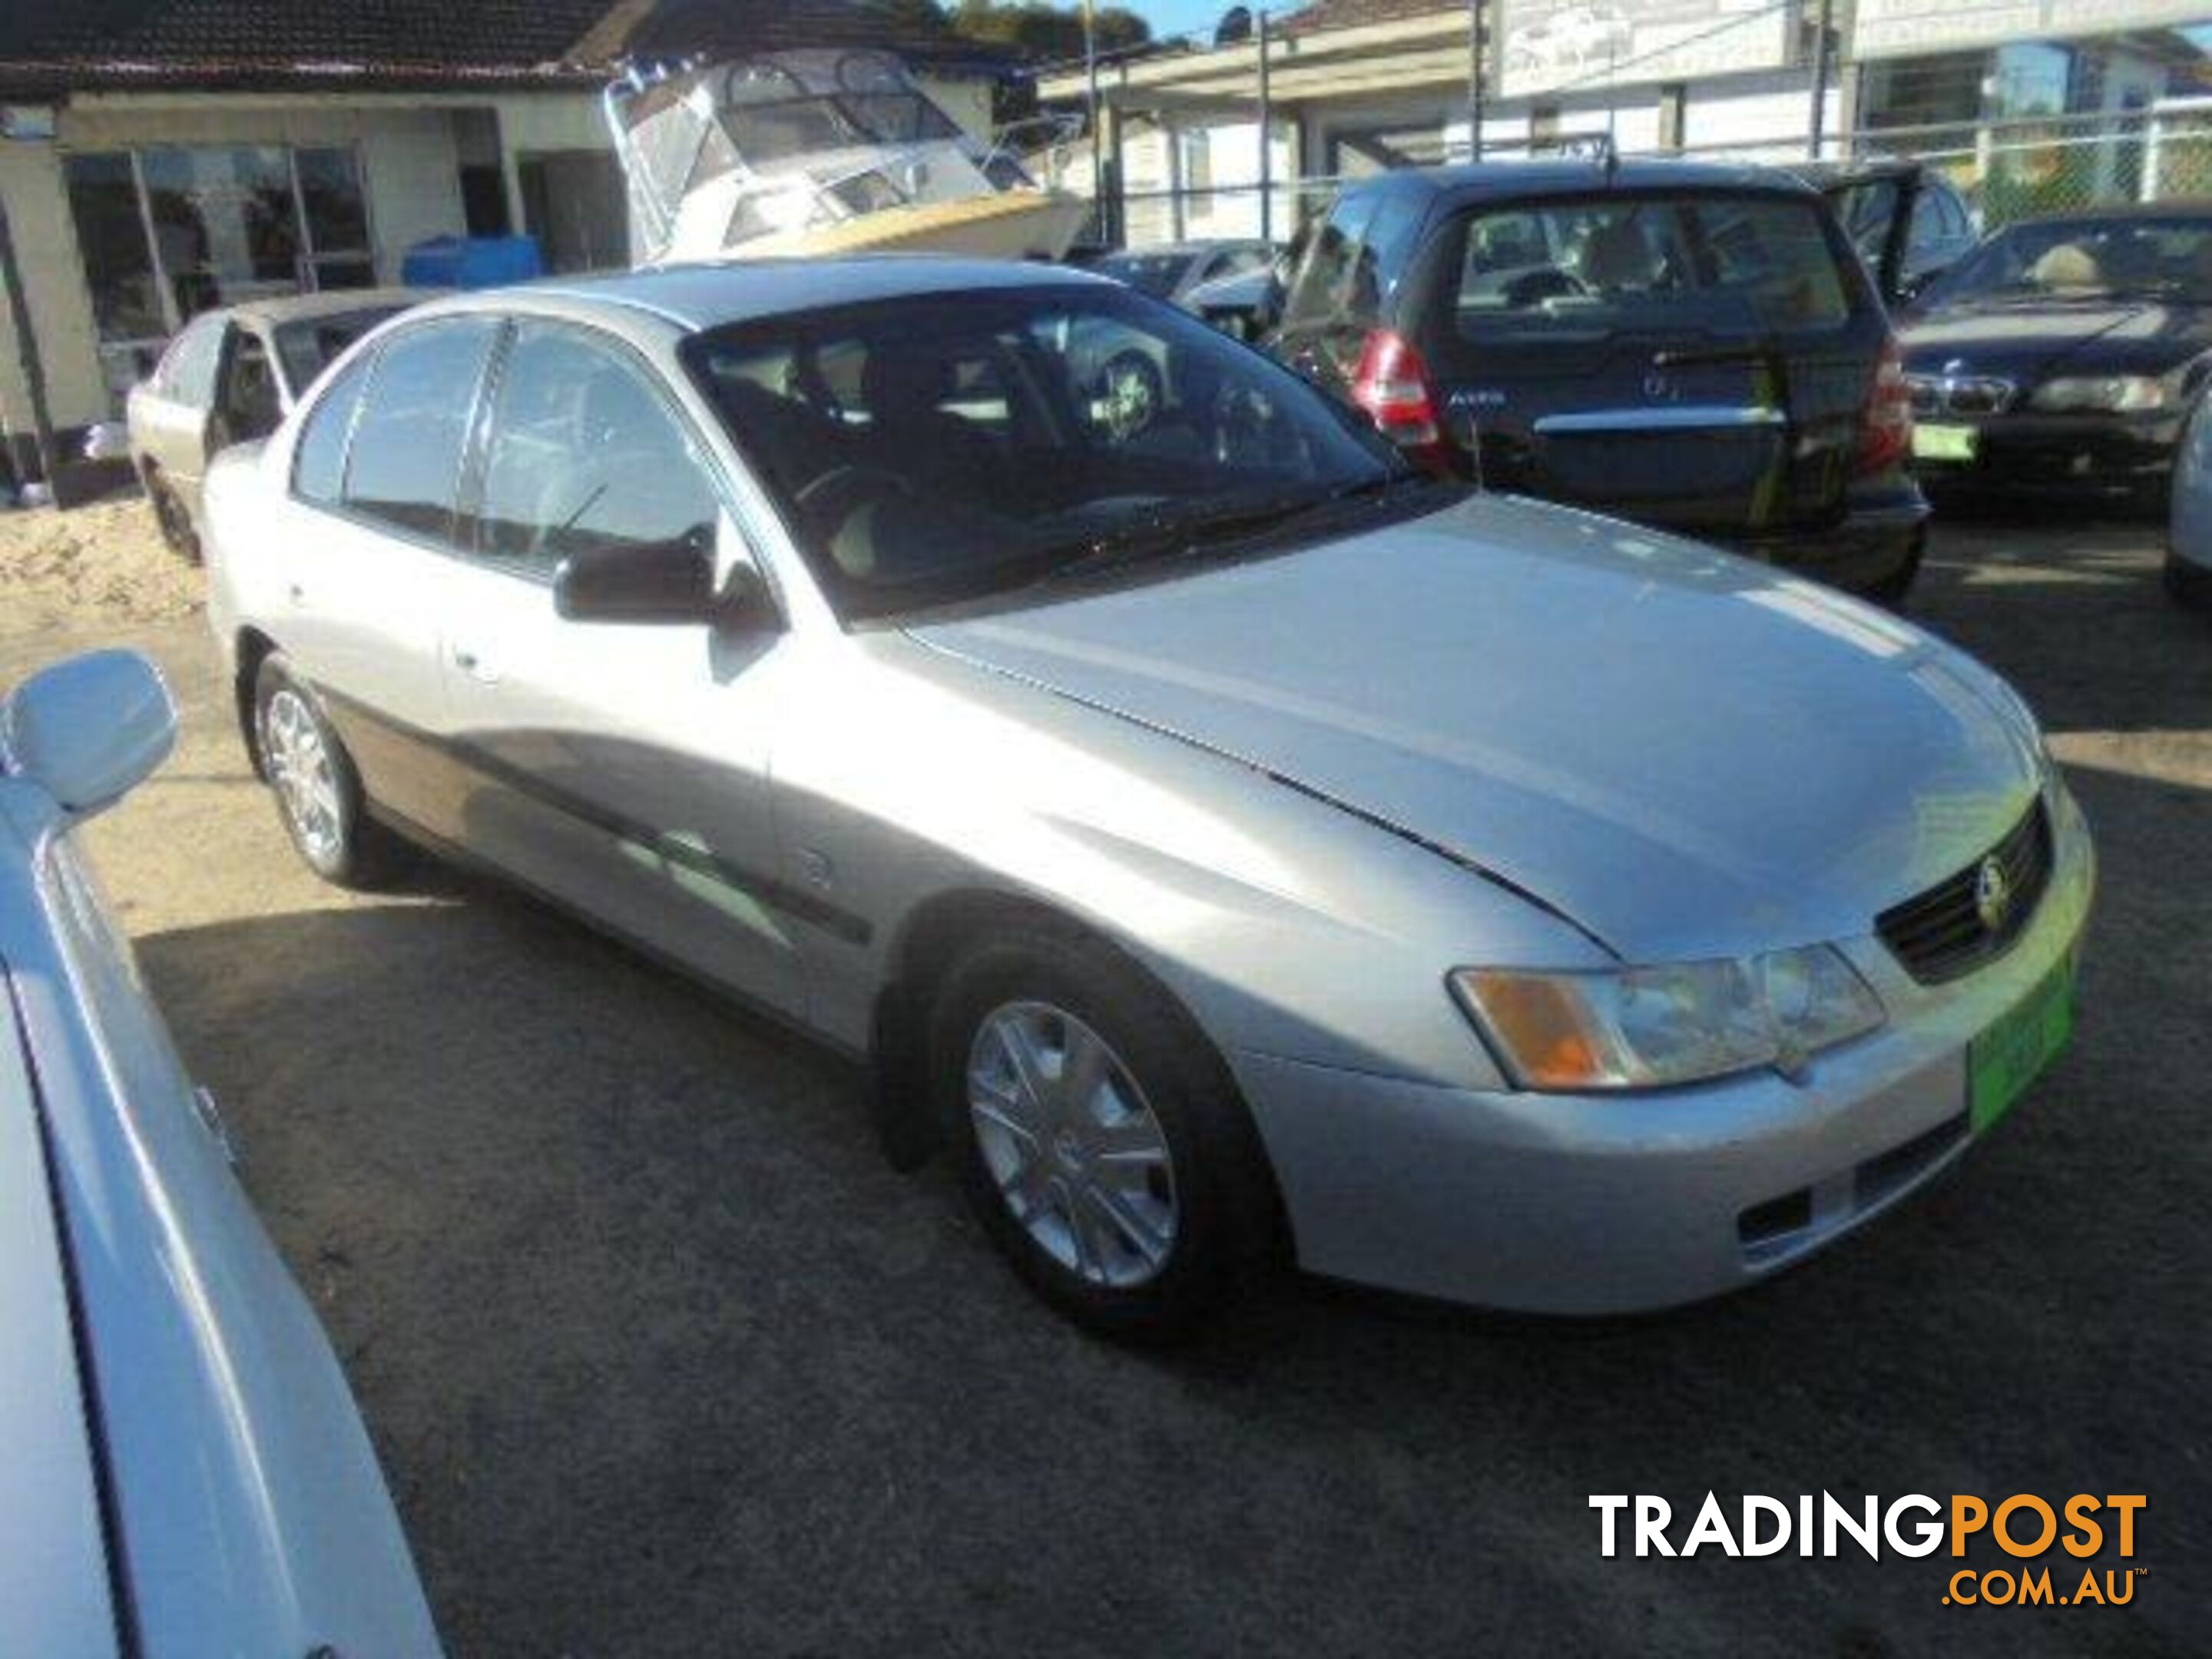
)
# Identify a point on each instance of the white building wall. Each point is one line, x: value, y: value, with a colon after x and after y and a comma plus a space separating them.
x: 1771, y: 114
x: 54, y: 291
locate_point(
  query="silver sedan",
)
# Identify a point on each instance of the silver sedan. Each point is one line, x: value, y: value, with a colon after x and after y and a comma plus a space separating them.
x: 228, y: 378
x: 1223, y: 843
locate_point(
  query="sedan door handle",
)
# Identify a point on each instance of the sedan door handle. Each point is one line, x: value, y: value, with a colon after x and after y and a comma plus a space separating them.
x: 473, y: 663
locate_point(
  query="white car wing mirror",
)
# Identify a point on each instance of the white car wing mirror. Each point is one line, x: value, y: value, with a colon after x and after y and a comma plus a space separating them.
x: 90, y: 729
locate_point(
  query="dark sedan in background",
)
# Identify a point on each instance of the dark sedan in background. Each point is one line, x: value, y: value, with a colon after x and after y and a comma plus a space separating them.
x: 2065, y: 354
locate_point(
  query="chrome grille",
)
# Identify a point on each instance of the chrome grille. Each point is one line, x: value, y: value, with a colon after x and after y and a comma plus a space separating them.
x: 1949, y: 394
x: 1940, y: 934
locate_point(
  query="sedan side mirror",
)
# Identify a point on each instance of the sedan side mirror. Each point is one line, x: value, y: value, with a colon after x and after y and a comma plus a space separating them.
x: 89, y: 730
x: 663, y: 582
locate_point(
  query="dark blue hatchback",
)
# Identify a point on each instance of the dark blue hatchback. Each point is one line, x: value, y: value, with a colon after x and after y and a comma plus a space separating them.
x: 1692, y: 347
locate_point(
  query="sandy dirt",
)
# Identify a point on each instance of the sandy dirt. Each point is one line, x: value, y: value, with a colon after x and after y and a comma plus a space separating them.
x: 101, y: 565
x: 661, y: 1358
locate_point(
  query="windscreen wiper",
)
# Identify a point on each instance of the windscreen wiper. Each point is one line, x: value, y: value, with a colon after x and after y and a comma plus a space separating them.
x: 1164, y: 537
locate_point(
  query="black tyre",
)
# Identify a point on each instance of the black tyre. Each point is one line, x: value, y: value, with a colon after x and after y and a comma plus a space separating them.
x: 175, y: 523
x: 1895, y: 588
x: 1098, y: 1136
x: 318, y: 790
x: 2187, y: 584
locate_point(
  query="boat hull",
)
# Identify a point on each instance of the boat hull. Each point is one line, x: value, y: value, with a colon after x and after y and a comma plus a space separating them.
x: 1012, y: 224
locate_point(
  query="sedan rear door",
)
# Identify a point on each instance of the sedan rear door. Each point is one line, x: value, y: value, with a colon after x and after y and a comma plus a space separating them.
x: 1698, y: 362
x: 369, y: 528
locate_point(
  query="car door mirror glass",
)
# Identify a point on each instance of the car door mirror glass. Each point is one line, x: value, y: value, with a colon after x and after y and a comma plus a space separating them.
x: 90, y: 729
x: 645, y: 582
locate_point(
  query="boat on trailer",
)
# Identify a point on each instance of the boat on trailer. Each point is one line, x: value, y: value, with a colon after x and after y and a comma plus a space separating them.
x: 800, y: 153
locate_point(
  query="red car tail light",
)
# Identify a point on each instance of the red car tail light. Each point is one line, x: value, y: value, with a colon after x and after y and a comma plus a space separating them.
x: 1886, y: 424
x: 1392, y: 385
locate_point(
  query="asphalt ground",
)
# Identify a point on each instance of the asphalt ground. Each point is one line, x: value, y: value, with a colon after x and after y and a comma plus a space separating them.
x: 661, y: 1358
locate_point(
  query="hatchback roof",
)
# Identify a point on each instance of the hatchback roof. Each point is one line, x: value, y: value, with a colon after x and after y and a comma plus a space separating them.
x: 710, y: 295
x: 1477, y: 180
x: 1189, y: 248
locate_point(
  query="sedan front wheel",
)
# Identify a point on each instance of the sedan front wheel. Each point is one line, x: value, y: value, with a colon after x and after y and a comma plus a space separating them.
x: 1103, y: 1144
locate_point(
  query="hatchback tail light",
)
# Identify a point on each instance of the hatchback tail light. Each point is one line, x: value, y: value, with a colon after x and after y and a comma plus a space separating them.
x: 1392, y: 385
x: 1886, y: 424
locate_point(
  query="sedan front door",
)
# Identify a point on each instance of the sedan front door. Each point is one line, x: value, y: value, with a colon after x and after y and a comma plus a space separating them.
x: 620, y: 768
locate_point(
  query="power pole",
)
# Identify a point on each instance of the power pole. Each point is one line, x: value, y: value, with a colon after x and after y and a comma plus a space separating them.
x: 1267, y: 134
x: 1474, y: 80
x: 1822, y: 31
x: 1097, y: 149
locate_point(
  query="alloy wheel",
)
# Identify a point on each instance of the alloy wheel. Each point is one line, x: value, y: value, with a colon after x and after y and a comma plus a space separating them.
x: 1072, y: 1145
x: 299, y: 770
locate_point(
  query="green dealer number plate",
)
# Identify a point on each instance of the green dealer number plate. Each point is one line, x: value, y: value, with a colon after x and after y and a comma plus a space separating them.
x: 2008, y: 1056
x: 1943, y: 443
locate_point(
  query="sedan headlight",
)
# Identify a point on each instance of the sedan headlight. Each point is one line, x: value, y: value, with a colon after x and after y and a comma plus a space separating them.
x: 1646, y: 1028
x: 2108, y: 394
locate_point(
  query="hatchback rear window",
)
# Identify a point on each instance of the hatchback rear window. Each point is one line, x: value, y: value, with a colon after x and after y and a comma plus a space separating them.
x: 1743, y: 267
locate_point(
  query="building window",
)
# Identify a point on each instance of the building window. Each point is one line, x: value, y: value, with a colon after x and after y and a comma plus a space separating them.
x: 168, y: 232
x: 573, y: 204
x: 1673, y: 114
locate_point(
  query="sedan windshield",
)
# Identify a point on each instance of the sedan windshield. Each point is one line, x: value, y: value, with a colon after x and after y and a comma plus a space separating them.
x: 2129, y: 258
x: 944, y: 448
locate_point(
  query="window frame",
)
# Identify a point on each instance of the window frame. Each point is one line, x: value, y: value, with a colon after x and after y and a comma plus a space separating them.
x: 307, y: 264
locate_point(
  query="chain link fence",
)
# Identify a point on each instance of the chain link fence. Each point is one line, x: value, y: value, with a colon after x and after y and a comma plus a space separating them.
x: 2004, y: 170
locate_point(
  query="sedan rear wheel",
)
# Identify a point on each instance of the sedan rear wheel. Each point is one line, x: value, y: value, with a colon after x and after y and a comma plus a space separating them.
x: 174, y: 520
x: 318, y: 792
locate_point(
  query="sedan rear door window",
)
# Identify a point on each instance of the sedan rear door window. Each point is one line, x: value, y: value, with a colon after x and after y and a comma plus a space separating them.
x: 319, y: 460
x: 406, y: 459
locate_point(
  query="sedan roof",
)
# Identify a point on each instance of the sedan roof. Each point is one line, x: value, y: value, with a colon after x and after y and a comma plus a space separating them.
x: 712, y: 294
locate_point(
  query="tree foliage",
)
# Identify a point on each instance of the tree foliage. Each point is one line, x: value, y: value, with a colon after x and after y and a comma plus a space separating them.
x: 1038, y: 29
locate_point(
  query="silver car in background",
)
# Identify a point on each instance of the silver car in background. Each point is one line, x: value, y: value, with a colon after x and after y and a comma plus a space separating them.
x: 185, y: 1472
x: 1220, y: 840
x: 228, y: 377
x: 2189, y: 525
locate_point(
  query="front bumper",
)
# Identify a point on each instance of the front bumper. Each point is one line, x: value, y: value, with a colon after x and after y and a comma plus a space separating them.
x: 1562, y: 1204
x: 2022, y: 450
